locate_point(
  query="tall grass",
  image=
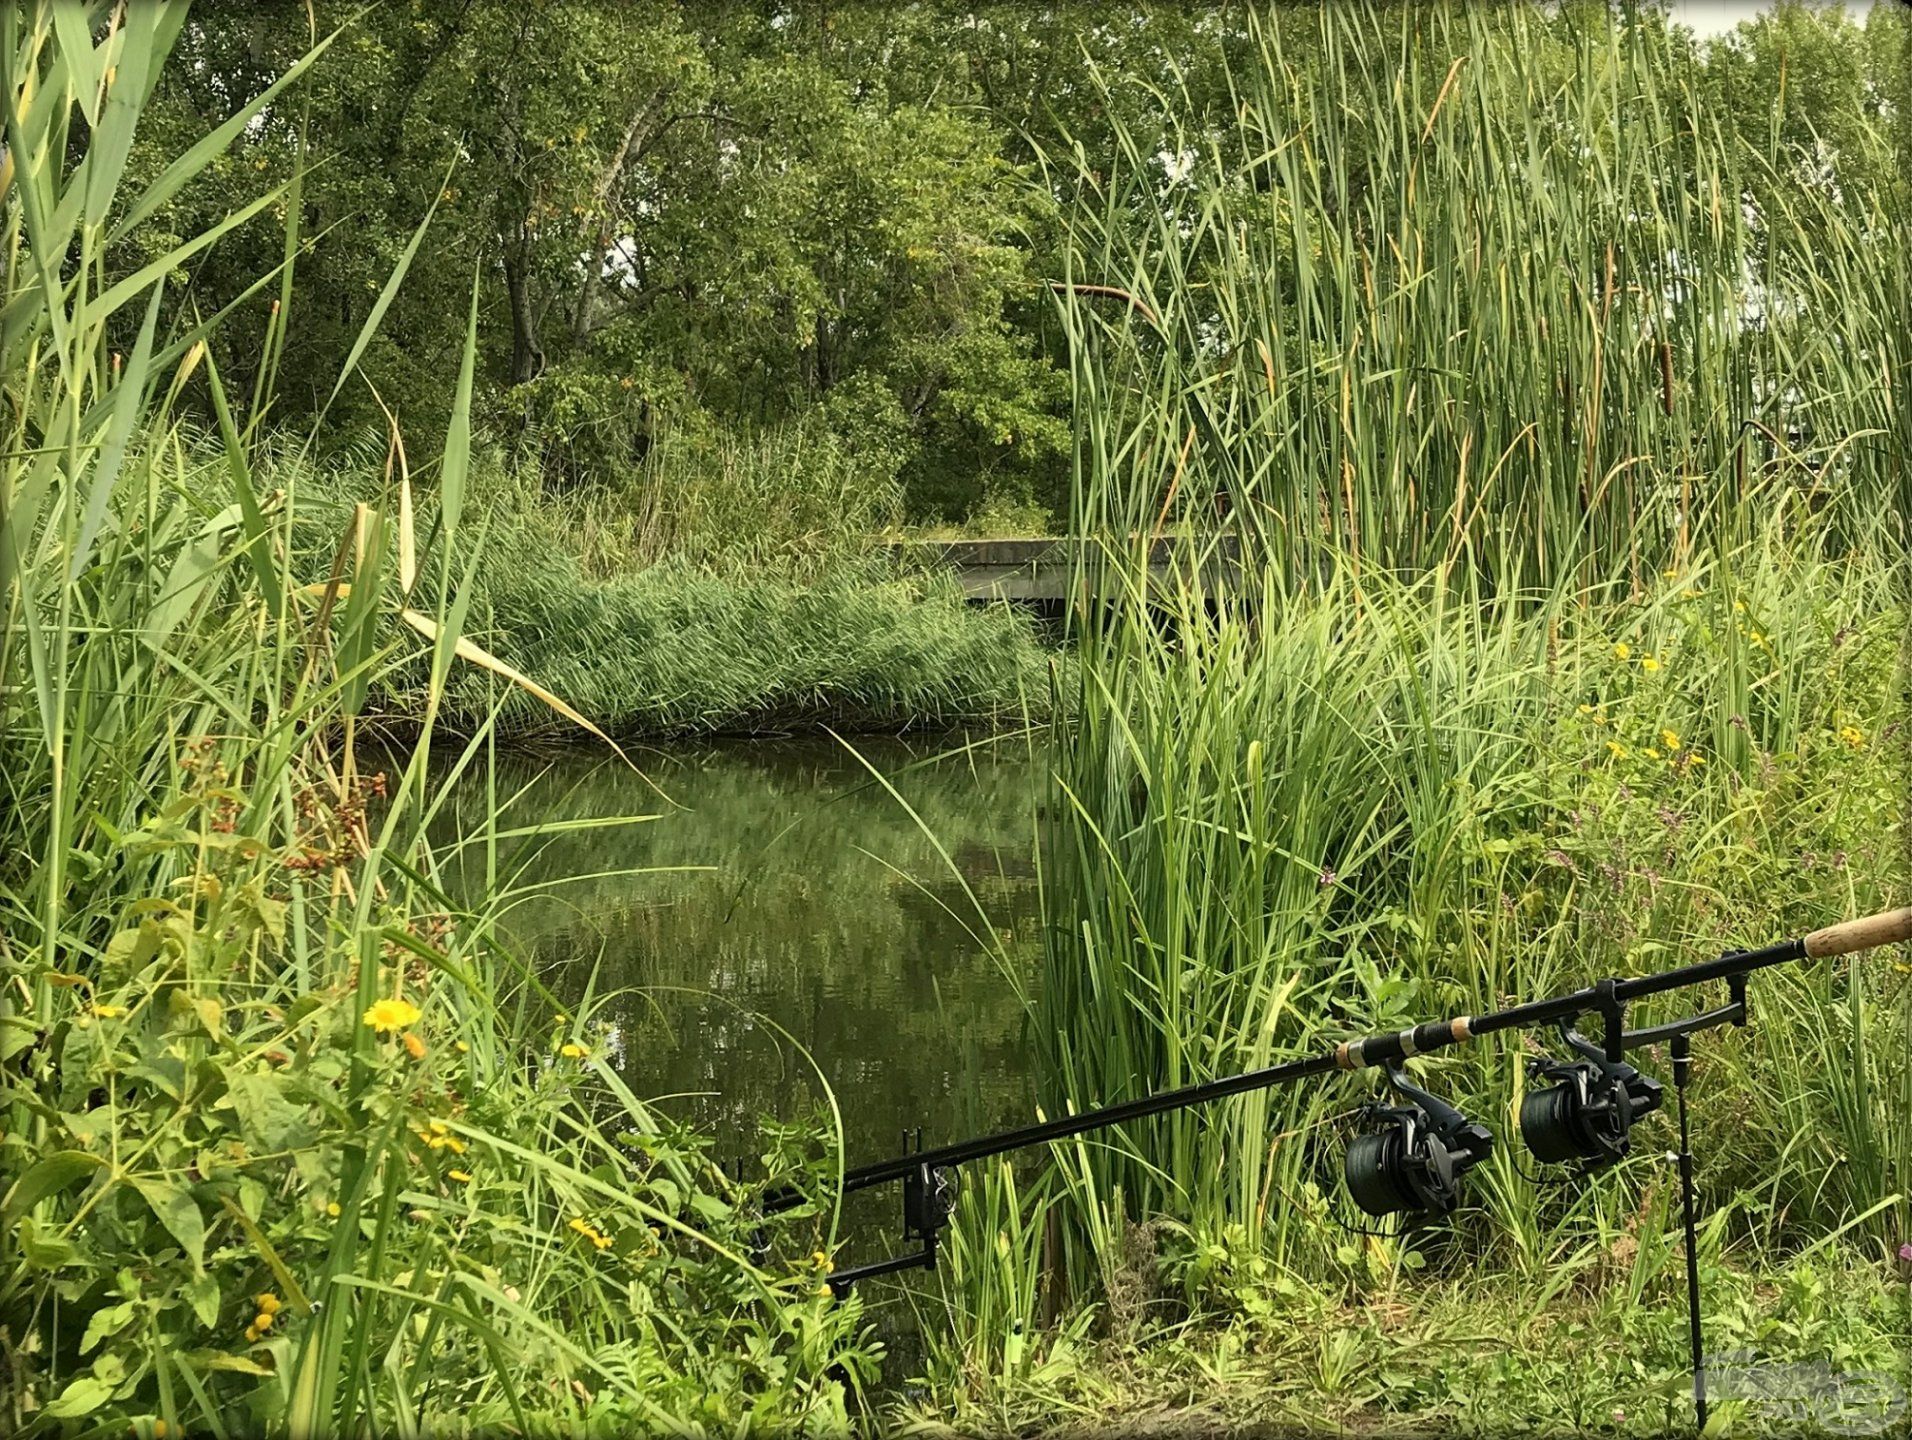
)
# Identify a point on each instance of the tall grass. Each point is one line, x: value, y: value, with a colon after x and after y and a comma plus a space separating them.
x: 292, y: 1144
x: 1558, y: 435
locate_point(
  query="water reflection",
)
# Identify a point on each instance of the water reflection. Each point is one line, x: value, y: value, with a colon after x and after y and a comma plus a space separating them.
x: 822, y: 907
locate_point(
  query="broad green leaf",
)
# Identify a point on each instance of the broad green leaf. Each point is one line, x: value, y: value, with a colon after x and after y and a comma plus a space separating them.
x: 47, y: 1176
x: 179, y: 1213
x: 43, y: 1249
x: 107, y: 1322
x: 202, y: 1293
x: 267, y: 1119
x: 84, y: 1395
x: 232, y: 1364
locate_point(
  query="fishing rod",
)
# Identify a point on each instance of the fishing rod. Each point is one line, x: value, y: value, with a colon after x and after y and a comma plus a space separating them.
x: 1411, y: 1162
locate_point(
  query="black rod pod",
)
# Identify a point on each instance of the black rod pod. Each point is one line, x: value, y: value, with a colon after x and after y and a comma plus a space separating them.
x: 1587, y: 1113
x: 1413, y: 1163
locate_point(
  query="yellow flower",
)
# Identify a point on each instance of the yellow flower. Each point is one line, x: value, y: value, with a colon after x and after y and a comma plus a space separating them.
x: 414, y: 1047
x: 1739, y: 607
x: 462, y: 1177
x: 1623, y: 651
x: 1852, y: 735
x: 1649, y: 664
x: 390, y: 1016
x: 1586, y: 709
x: 1670, y: 740
x: 437, y: 1136
x: 571, y: 1050
x: 262, y: 1322
x: 268, y: 1303
x: 822, y: 1262
x: 108, y: 1012
x: 461, y: 1047
x: 332, y: 1209
x: 1695, y: 759
x: 1651, y: 753
x: 591, y: 1232
x: 1616, y: 750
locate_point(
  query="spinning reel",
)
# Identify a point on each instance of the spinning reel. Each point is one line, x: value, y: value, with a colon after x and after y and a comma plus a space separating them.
x: 1413, y: 1163
x: 1585, y: 1115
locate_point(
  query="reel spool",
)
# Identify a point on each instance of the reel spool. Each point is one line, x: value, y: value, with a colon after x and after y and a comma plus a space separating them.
x: 1586, y: 1115
x: 1413, y: 1163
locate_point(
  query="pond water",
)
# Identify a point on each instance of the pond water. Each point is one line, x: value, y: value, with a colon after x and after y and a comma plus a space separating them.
x: 786, y: 917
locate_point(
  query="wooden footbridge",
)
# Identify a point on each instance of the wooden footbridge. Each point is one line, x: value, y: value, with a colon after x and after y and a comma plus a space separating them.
x: 1039, y: 570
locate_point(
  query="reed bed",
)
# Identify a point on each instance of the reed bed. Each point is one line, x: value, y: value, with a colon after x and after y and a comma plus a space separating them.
x: 1537, y: 452
x: 1481, y: 285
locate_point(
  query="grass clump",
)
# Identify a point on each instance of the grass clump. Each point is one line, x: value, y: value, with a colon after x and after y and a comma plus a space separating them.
x: 679, y: 648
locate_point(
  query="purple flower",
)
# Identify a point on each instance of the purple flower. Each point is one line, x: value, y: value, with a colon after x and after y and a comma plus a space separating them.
x: 1328, y: 877
x: 1905, y: 1252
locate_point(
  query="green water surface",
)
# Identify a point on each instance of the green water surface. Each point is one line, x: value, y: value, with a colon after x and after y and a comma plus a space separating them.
x: 785, y: 924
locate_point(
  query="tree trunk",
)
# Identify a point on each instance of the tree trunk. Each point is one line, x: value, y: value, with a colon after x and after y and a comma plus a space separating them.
x: 527, y: 355
x: 609, y: 188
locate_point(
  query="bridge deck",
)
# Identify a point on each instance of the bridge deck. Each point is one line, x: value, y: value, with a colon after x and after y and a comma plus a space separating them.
x: 1030, y: 569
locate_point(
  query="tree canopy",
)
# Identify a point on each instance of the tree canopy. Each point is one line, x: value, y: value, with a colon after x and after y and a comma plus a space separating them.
x: 752, y: 215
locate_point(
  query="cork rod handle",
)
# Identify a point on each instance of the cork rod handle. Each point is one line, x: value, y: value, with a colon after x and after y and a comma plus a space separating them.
x: 1886, y: 928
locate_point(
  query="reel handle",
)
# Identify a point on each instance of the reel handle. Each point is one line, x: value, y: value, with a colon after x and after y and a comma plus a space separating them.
x: 1888, y: 927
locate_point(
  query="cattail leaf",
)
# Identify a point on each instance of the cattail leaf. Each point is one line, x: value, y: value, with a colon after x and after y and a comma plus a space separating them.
x: 129, y: 397
x: 141, y: 48
x: 475, y: 653
x: 258, y: 538
x: 457, y: 462
x: 385, y: 297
